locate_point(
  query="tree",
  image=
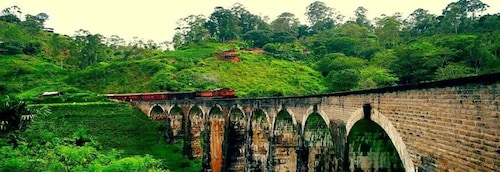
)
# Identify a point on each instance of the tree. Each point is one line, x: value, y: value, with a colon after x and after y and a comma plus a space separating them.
x: 192, y: 29
x: 248, y: 21
x: 472, y: 7
x: 375, y: 77
x: 87, y: 48
x: 223, y: 25
x: 11, y: 47
x: 320, y: 16
x: 453, y: 70
x: 452, y: 18
x: 285, y: 22
x: 42, y: 17
x: 283, y: 37
x: 32, y: 23
x: 361, y: 18
x: 421, y: 22
x: 259, y: 38
x: 418, y: 61
x: 11, y: 18
x: 388, y: 28
x: 13, y: 11
x: 343, y: 80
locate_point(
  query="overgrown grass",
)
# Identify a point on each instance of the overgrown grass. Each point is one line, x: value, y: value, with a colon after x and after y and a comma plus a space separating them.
x: 119, y: 126
x: 20, y: 73
x: 196, y: 68
x: 121, y: 77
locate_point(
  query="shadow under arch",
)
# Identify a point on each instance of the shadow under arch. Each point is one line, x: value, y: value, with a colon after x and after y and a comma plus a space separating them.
x: 176, y: 121
x: 385, y: 124
x: 318, y: 144
x: 193, y: 140
x: 284, y: 143
x: 235, y: 140
x: 156, y: 111
x: 259, y: 133
x: 314, y: 110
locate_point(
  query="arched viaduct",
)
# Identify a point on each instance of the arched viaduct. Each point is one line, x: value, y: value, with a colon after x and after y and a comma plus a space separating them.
x: 436, y: 126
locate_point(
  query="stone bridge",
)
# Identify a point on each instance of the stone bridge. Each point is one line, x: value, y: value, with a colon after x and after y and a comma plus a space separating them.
x: 450, y: 125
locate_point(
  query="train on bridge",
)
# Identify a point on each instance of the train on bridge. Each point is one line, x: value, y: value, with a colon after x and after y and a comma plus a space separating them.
x: 211, y: 94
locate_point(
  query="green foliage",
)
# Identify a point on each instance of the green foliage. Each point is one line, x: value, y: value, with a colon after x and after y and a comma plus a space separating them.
x: 375, y: 77
x: 258, y: 37
x: 343, y: 80
x: 454, y: 70
x: 271, y: 48
x: 102, y: 137
x: 121, y: 77
x: 11, y: 47
x: 10, y: 18
x: 14, y: 114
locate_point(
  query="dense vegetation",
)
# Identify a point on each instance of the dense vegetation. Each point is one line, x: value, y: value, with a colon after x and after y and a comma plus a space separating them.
x: 94, y: 136
x: 267, y: 58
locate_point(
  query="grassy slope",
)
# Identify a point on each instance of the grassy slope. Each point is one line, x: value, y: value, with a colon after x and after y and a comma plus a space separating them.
x: 21, y: 73
x: 121, y: 77
x: 197, y: 68
x: 119, y: 126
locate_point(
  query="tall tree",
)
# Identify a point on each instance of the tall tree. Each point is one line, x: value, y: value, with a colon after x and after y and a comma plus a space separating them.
x: 87, y: 48
x: 421, y: 22
x: 285, y: 22
x: 452, y: 18
x: 192, y: 29
x: 320, y: 16
x: 388, y: 28
x: 13, y: 10
x: 361, y: 18
x: 32, y: 23
x: 248, y: 21
x: 42, y: 17
x: 223, y: 25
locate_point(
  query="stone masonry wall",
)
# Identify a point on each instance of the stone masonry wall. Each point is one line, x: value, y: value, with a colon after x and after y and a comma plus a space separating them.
x: 442, y: 126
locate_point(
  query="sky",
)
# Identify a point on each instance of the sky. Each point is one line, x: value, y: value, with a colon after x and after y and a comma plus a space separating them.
x: 156, y: 19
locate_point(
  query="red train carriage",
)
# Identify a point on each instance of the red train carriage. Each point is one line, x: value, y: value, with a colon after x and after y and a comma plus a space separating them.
x: 225, y: 93
x: 154, y: 96
x: 125, y: 97
x: 216, y: 93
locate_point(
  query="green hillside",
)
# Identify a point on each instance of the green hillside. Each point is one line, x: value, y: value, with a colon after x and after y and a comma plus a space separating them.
x: 198, y: 68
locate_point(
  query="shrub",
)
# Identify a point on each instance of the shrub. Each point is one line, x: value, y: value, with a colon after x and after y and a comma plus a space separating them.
x: 11, y: 47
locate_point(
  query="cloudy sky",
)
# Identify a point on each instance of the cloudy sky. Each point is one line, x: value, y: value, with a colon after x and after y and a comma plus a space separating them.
x: 156, y: 19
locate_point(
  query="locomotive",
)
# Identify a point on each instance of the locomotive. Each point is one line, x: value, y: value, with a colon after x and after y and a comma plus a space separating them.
x: 211, y: 94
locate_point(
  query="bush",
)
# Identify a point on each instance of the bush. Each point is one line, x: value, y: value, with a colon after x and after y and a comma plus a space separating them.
x: 11, y: 47
x: 32, y: 48
x: 272, y: 48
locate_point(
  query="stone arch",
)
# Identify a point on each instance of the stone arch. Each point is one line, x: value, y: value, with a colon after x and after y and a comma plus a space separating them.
x: 318, y: 144
x: 235, y: 139
x: 154, y: 112
x: 211, y: 110
x: 259, y: 133
x: 283, y: 109
x: 194, y: 137
x: 177, y: 121
x: 237, y: 108
x: 311, y: 111
x: 389, y: 129
x: 284, y: 143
